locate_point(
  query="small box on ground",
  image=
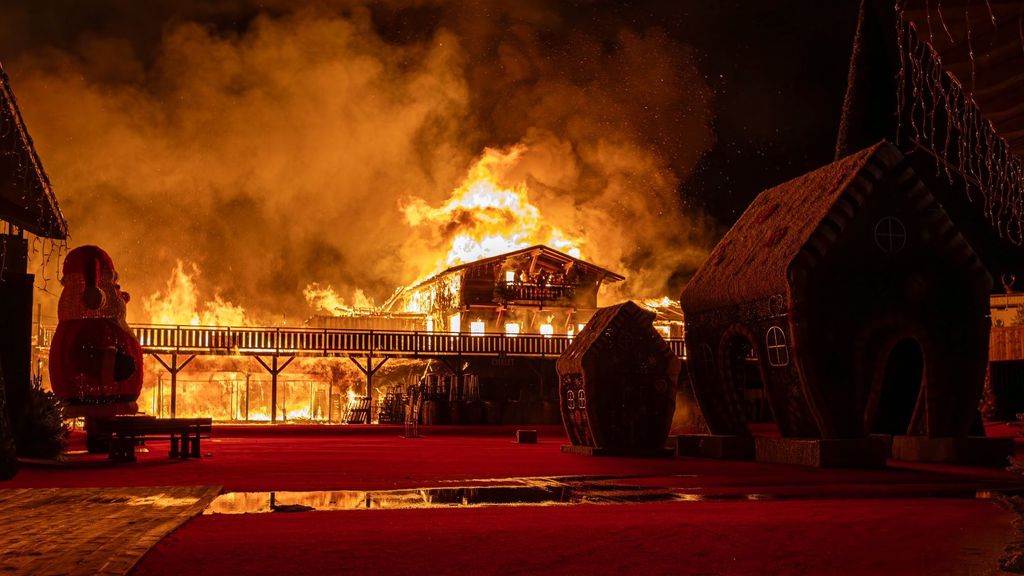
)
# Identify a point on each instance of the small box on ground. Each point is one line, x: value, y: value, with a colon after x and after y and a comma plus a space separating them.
x: 526, y: 436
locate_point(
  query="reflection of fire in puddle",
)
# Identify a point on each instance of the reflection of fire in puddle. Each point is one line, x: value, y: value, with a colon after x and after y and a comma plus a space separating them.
x: 508, y: 492
x: 543, y: 491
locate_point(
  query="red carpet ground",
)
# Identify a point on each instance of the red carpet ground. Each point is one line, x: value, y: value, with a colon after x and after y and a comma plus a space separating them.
x: 902, y: 520
x: 904, y: 537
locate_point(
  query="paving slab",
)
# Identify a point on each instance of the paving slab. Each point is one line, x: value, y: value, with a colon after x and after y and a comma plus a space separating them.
x: 90, y: 530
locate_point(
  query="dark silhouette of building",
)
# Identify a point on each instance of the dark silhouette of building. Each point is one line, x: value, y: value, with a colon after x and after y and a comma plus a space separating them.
x: 27, y: 204
x: 862, y: 307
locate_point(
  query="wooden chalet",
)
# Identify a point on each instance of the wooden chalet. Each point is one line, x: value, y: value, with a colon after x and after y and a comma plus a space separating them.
x: 535, y: 290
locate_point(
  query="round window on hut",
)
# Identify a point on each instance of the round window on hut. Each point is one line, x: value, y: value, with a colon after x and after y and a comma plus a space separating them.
x: 775, y: 345
x: 890, y: 234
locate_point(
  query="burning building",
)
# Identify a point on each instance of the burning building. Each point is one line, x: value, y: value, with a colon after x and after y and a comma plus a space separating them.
x: 535, y: 290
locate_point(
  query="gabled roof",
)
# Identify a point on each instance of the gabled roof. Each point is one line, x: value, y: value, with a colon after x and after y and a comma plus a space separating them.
x: 752, y: 260
x: 597, y: 338
x: 26, y: 199
x: 537, y: 250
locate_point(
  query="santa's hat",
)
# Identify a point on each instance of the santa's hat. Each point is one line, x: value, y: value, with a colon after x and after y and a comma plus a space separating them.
x: 89, y: 263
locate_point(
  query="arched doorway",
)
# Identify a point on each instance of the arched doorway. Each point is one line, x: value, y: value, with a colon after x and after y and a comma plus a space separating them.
x: 742, y: 371
x: 900, y: 388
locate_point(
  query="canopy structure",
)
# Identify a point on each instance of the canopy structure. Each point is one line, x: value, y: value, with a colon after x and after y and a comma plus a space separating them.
x: 26, y: 198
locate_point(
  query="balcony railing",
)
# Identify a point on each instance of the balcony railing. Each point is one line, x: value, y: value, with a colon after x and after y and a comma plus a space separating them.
x: 225, y: 340
x: 527, y: 291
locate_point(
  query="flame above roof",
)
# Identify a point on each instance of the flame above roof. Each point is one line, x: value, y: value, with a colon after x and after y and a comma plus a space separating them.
x: 536, y: 250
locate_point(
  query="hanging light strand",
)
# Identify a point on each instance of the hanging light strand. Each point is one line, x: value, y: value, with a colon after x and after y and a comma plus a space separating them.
x: 937, y: 114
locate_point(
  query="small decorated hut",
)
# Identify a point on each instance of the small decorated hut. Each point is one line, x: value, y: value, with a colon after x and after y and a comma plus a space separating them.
x: 27, y: 204
x: 859, y: 305
x: 617, y: 383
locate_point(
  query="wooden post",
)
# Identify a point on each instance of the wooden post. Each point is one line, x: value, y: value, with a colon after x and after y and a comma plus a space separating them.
x: 247, y: 376
x: 173, y: 369
x: 274, y: 370
x: 459, y: 371
x: 8, y: 453
x: 369, y: 371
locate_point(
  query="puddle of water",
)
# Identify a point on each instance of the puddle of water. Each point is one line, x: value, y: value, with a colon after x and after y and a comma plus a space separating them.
x: 542, y: 491
x: 517, y: 492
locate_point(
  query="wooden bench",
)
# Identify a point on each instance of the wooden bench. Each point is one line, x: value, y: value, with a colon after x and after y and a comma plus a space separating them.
x: 125, y: 432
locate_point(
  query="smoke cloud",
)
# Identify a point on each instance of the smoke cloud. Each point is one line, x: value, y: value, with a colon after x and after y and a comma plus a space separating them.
x: 274, y: 146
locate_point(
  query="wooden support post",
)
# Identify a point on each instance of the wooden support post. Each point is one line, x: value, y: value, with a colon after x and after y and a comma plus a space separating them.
x: 274, y: 370
x: 247, y: 388
x: 459, y: 371
x: 369, y: 370
x: 174, y: 368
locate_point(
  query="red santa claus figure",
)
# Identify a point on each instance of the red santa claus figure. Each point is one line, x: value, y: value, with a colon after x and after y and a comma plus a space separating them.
x: 95, y: 360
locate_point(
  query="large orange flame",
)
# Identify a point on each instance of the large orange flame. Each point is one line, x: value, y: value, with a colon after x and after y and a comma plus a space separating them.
x: 489, y: 215
x: 325, y: 299
x: 179, y: 303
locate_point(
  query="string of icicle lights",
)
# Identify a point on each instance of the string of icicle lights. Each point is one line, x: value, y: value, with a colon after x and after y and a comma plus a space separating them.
x: 27, y: 176
x: 939, y: 115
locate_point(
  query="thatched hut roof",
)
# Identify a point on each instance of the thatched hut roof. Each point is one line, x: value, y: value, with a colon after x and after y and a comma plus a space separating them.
x: 26, y: 199
x: 753, y: 258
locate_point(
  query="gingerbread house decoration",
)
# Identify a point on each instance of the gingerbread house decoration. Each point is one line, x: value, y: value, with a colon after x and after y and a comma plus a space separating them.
x: 856, y: 301
x: 617, y: 383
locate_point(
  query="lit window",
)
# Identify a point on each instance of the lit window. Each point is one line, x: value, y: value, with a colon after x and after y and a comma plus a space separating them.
x: 665, y: 331
x: 477, y: 327
x: 454, y: 323
x: 579, y: 328
x: 430, y: 324
x: 512, y: 328
x: 510, y: 276
x: 890, y: 234
x: 570, y: 332
x: 775, y: 342
x: 547, y: 330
